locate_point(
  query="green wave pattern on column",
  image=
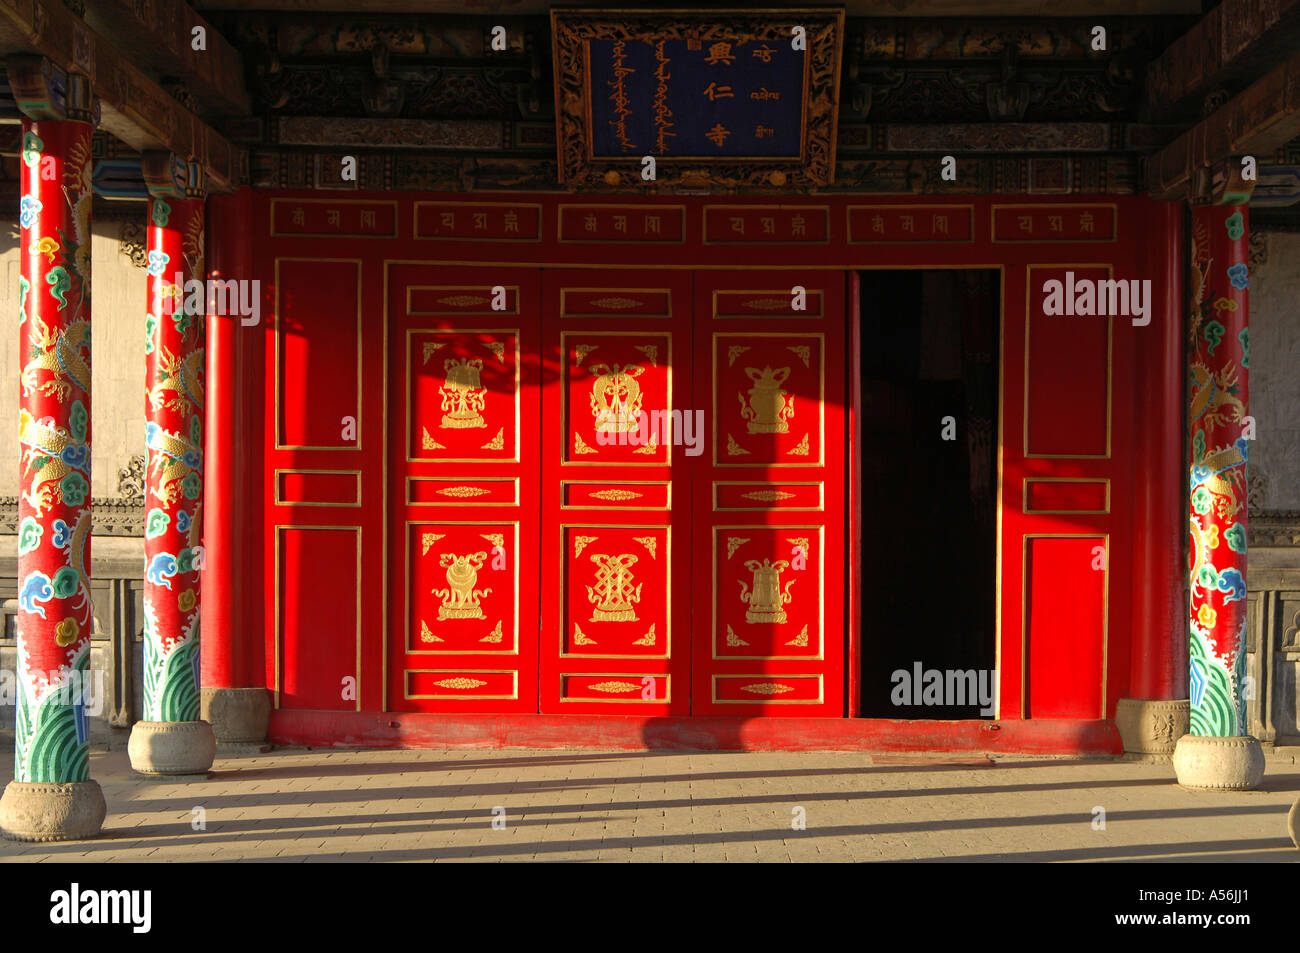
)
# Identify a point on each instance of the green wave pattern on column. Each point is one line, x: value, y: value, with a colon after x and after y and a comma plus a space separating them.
x: 1216, y: 715
x: 45, y: 738
x: 170, y: 692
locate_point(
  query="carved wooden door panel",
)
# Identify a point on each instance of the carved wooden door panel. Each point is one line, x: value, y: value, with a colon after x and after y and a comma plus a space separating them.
x: 615, y: 565
x: 769, y: 519
x: 463, y: 480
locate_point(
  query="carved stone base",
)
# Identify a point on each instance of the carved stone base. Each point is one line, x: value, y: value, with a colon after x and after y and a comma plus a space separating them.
x: 40, y: 811
x: 1152, y: 727
x: 238, y: 715
x: 1207, y: 763
x: 171, y: 747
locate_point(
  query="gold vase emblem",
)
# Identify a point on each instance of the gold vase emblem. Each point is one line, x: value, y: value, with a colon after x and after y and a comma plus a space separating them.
x: 460, y: 598
x: 614, y: 594
x: 765, y: 598
x: 616, y: 397
x: 463, y: 395
x: 768, y: 407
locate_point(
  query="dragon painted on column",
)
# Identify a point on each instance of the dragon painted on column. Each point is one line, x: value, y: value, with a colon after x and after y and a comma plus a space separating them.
x: 1219, y: 368
x: 55, y: 615
x: 174, y: 473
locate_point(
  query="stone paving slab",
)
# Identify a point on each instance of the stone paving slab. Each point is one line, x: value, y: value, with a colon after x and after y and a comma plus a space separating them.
x: 296, y: 805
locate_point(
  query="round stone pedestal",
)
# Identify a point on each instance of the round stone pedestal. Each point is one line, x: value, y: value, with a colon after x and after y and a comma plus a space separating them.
x: 1293, y: 822
x: 42, y: 811
x: 1151, y: 728
x: 171, y: 747
x: 238, y: 715
x: 1209, y: 763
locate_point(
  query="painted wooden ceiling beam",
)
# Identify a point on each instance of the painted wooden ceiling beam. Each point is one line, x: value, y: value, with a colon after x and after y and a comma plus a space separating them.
x: 1238, y: 38
x: 1258, y: 120
x: 133, y: 107
x: 159, y: 34
x: 854, y: 8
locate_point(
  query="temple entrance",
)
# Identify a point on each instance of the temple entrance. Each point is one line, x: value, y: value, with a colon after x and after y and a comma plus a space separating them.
x: 929, y: 379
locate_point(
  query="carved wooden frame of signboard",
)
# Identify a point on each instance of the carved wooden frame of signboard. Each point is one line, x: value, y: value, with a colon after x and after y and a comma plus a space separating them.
x: 579, y: 168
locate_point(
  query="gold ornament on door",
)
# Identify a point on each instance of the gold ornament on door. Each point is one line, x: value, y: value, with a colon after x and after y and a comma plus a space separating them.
x: 769, y: 407
x: 463, y: 395
x: 616, y: 397
x: 766, y: 597
x: 460, y: 600
x: 614, y: 595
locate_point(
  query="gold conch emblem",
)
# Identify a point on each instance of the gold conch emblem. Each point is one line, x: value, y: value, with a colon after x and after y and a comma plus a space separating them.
x: 616, y: 397
x: 766, y: 597
x: 460, y: 598
x: 462, y: 394
x: 768, y: 407
x: 614, y: 594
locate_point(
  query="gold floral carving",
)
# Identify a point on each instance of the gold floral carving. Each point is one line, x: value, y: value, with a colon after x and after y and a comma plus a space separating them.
x: 769, y: 407
x: 427, y: 540
x: 498, y: 348
x: 428, y: 443
x: 615, y: 303
x: 616, y: 495
x: 462, y: 301
x: 767, y: 496
x: 734, y: 352
x: 734, y: 449
x: 463, y: 395
x: 649, y: 542
x: 651, y: 351
x: 801, y: 639
x: 498, y: 442
x: 581, y: 351
x: 733, y: 639
x: 648, y: 638
x: 768, y: 304
x: 764, y: 595
x: 580, y: 543
x: 616, y: 397
x: 614, y: 688
x: 734, y: 543
x: 463, y: 491
x: 496, y: 635
x: 580, y: 445
x: 579, y: 637
x: 426, y: 635
x: 460, y: 600
x: 801, y: 542
x: 430, y: 347
x: 803, y: 352
x: 766, y: 688
x: 496, y: 539
x: 801, y: 448
x: 460, y: 683
x: 648, y: 449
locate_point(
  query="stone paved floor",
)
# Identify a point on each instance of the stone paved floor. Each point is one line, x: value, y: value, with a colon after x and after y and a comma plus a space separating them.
x: 315, y: 805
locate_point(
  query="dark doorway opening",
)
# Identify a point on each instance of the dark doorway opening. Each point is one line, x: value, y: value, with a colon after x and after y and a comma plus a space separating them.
x: 929, y: 357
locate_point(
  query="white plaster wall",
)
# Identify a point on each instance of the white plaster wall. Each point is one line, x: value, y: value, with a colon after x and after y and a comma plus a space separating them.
x: 1275, y: 370
x: 117, y: 363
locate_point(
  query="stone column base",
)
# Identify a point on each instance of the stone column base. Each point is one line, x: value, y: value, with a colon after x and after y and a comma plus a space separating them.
x: 1208, y: 763
x: 238, y: 715
x: 171, y: 747
x: 1293, y: 822
x: 42, y: 811
x: 1152, y: 727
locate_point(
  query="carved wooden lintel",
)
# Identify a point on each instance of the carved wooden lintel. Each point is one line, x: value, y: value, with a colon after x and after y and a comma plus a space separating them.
x: 44, y: 90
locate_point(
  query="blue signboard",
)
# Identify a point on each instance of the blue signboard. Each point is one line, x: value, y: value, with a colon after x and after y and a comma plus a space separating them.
x: 683, y: 99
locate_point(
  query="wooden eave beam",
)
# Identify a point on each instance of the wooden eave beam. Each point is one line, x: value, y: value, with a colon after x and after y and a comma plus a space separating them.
x: 1238, y: 38
x: 134, y: 108
x: 159, y: 34
x: 1257, y: 121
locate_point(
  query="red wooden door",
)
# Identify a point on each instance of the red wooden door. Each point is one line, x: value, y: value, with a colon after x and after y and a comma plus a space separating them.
x: 615, y: 566
x: 462, y: 488
x: 769, y: 495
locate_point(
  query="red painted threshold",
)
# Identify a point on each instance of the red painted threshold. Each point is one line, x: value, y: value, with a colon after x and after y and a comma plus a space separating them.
x: 333, y: 729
